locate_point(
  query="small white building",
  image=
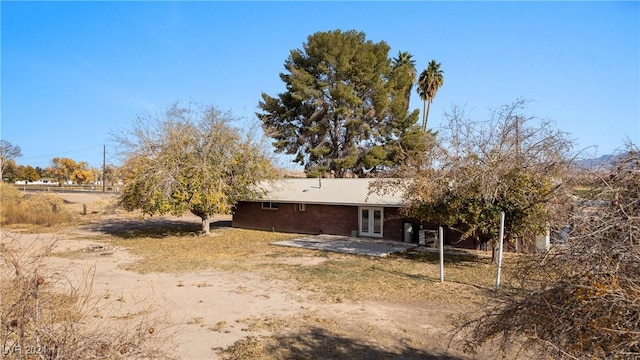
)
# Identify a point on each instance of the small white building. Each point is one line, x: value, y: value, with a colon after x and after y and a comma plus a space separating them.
x: 43, y: 181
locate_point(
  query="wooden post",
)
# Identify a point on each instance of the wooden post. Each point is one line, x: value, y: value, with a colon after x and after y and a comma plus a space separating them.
x: 84, y: 209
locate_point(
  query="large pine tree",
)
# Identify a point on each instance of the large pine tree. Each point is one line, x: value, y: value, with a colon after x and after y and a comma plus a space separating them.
x: 344, y: 110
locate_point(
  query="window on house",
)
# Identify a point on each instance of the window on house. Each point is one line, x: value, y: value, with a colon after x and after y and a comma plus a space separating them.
x: 302, y: 207
x: 270, y: 205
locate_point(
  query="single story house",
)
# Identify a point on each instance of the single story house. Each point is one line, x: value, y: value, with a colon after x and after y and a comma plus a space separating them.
x: 346, y: 207
x: 331, y: 206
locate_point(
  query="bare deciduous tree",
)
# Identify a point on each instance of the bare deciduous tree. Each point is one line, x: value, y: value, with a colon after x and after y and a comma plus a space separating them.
x: 8, y: 152
x: 511, y: 162
x: 580, y: 300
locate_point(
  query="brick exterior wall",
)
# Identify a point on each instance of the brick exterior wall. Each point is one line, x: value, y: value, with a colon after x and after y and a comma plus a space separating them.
x: 330, y: 219
x: 316, y: 219
x: 393, y: 224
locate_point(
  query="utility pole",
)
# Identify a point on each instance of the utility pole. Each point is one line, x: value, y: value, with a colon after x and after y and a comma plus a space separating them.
x: 518, y: 140
x: 104, y: 166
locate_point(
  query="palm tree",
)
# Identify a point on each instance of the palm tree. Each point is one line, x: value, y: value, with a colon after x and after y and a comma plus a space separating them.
x: 404, y: 61
x: 429, y: 82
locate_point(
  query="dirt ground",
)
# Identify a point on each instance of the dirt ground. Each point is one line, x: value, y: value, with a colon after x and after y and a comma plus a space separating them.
x: 210, y: 310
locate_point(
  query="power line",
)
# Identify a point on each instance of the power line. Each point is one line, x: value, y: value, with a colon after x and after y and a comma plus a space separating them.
x: 58, y: 153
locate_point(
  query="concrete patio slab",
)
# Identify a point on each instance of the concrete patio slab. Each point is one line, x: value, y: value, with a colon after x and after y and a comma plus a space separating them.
x: 348, y: 245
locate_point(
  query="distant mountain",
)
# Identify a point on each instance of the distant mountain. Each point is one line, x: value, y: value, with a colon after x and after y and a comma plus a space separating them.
x: 603, y: 162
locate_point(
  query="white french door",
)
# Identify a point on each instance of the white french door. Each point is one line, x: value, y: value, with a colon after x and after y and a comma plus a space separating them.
x: 370, y: 221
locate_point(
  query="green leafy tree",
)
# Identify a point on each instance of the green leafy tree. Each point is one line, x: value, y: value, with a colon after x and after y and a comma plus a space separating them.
x: 510, y: 163
x: 190, y: 160
x: 430, y: 81
x: 345, y: 108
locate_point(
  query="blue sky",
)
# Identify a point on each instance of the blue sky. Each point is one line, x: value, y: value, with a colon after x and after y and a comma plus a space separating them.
x: 74, y: 72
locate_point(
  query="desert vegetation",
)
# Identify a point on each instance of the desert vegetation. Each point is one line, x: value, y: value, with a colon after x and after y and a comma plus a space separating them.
x: 580, y: 299
x: 34, y: 209
x: 45, y: 314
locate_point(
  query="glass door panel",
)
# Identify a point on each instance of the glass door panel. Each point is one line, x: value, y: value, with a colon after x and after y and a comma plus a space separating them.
x: 364, y: 221
x: 371, y: 221
x: 377, y: 221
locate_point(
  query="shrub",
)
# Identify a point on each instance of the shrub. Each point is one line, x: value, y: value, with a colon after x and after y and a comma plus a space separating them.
x: 34, y: 209
x: 581, y: 300
x: 45, y: 315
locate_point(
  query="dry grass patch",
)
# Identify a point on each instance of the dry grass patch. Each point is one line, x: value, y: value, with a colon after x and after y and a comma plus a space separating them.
x: 48, y: 211
x: 36, y: 211
x: 225, y: 249
x: 339, y: 277
x: 220, y: 326
x: 350, y: 277
x: 96, y: 205
x: 267, y: 323
x: 248, y: 348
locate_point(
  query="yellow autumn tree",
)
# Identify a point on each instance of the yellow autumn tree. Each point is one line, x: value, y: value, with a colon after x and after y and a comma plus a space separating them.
x: 68, y: 170
x: 82, y: 175
x: 190, y: 159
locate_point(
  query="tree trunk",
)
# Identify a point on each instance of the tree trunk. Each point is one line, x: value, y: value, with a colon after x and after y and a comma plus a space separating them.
x: 407, y: 98
x: 206, y: 223
x: 426, y: 116
x: 494, y: 249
